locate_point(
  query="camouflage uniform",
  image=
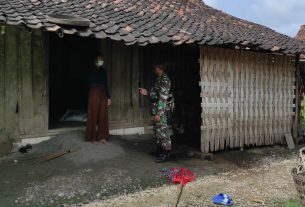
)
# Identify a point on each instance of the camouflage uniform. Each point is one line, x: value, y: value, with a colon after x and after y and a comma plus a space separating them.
x: 159, y: 95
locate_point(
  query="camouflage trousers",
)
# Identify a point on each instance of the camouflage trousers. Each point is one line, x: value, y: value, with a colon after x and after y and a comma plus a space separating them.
x: 162, y: 134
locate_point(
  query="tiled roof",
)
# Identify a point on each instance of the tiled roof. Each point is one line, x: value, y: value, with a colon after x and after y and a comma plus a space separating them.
x: 301, y: 36
x: 301, y: 33
x: 149, y: 21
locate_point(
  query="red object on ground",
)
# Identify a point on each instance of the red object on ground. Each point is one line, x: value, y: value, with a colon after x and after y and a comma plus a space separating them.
x: 180, y: 176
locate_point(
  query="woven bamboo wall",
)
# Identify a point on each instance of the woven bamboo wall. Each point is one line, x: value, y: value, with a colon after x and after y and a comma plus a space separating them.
x: 247, y: 98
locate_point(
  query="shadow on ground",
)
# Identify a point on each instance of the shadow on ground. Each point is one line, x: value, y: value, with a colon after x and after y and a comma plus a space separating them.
x: 95, y: 172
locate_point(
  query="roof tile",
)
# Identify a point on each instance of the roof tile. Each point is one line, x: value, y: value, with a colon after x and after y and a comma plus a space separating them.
x: 151, y: 21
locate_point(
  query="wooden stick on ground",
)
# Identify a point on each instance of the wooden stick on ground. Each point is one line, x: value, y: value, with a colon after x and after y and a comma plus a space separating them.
x: 181, y: 189
x: 55, y: 155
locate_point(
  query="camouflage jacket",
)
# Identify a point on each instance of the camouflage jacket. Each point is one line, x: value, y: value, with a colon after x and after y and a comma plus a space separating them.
x: 161, y: 96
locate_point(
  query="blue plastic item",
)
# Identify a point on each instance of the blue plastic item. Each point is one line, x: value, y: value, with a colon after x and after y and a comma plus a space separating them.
x: 223, y: 199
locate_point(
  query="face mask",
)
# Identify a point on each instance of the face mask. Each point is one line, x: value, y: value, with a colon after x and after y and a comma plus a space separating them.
x: 99, y: 63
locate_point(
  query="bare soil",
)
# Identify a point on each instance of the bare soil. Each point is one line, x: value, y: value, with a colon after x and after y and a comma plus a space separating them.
x: 123, y: 173
x: 266, y: 183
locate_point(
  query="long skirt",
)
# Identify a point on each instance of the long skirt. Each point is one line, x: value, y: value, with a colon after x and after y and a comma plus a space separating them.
x: 97, y: 117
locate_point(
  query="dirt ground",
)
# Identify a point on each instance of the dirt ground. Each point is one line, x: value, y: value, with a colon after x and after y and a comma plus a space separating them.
x: 267, y: 183
x: 123, y: 173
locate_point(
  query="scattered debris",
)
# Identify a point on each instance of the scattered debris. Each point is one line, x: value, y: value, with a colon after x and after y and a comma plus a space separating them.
x: 55, y: 155
x: 301, y: 161
x: 23, y: 150
x: 298, y: 175
x: 203, y: 156
x: 258, y: 201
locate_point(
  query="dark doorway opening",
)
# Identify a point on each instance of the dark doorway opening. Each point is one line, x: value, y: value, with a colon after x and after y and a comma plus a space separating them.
x: 71, y: 59
x: 183, y: 68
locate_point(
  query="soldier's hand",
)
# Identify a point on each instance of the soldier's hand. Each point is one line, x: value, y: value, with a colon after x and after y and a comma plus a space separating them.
x: 157, y: 118
x: 143, y: 91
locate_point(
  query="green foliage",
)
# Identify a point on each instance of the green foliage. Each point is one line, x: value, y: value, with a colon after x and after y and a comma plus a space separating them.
x: 292, y: 203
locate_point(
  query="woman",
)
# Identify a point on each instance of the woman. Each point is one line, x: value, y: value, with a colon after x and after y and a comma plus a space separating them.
x: 97, y: 129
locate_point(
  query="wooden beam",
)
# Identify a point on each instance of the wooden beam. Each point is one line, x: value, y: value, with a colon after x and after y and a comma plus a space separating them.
x: 11, y: 80
x: 40, y: 81
x: 135, y: 76
x: 2, y: 82
x: 297, y: 108
x: 289, y: 141
x: 26, y: 89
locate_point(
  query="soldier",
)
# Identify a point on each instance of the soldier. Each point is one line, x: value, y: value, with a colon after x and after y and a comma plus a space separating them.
x: 162, y: 104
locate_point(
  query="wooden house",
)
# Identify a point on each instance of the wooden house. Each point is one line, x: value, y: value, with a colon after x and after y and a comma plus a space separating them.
x: 234, y: 80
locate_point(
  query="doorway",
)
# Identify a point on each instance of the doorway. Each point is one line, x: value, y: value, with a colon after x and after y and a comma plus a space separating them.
x: 182, y: 66
x: 71, y: 58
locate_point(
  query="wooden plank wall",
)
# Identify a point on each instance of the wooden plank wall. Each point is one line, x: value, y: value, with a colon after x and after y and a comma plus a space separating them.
x: 130, y: 67
x: 23, y: 79
x: 124, y: 66
x: 2, y: 81
x: 247, y: 98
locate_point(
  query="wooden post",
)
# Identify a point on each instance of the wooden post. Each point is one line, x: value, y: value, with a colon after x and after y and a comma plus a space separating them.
x: 135, y: 76
x: 5, y: 142
x: 297, y: 108
x: 135, y: 69
x: 11, y: 80
x: 2, y: 79
x: 40, y: 84
x: 26, y: 88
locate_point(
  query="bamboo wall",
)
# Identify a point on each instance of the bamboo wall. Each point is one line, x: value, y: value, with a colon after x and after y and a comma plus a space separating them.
x: 247, y: 98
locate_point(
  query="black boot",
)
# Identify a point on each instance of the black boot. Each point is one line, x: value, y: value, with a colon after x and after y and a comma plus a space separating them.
x: 157, y: 152
x: 163, y: 157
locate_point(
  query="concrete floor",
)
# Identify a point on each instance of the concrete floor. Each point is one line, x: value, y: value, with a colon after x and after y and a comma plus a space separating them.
x: 95, y: 172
